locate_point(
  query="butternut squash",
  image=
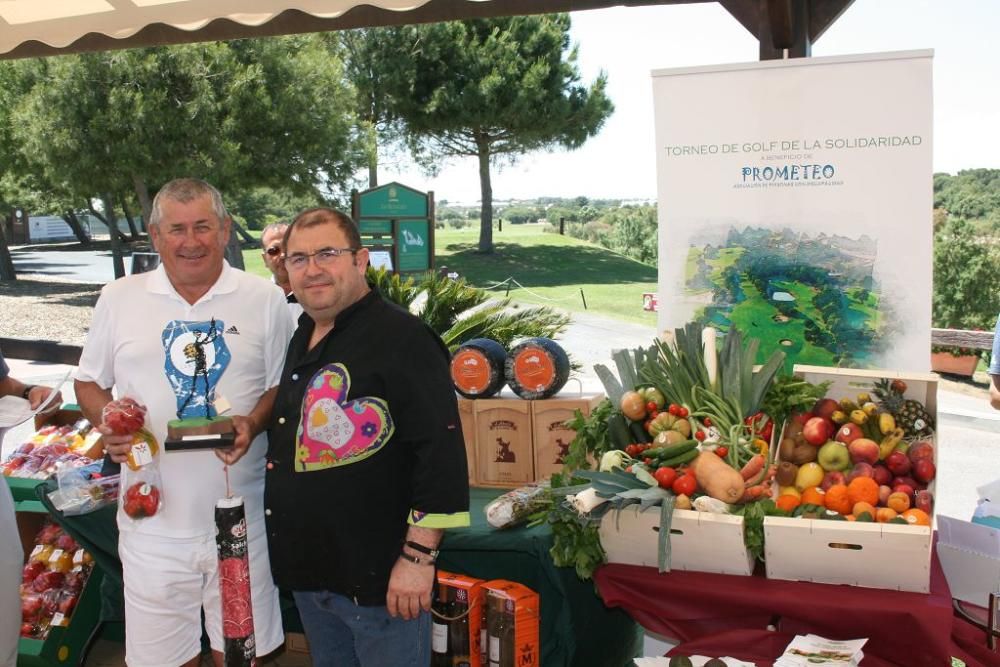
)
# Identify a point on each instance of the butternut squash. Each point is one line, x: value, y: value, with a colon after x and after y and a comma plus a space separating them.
x: 717, y: 478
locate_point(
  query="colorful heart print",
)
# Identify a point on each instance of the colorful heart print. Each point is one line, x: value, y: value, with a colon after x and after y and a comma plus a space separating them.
x: 334, y: 431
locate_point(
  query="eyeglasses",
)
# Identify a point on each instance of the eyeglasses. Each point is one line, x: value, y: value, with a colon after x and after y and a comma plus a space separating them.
x: 273, y: 251
x: 324, y: 257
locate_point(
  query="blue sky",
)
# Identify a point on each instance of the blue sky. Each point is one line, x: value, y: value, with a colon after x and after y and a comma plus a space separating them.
x: 628, y: 43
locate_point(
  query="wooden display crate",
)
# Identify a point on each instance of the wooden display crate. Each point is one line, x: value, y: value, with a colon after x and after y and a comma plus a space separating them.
x: 550, y: 435
x: 699, y: 541
x: 467, y: 414
x: 873, y: 555
x: 503, y: 442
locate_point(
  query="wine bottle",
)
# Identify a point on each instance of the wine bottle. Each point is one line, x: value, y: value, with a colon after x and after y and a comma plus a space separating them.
x: 440, y: 648
x: 459, y: 633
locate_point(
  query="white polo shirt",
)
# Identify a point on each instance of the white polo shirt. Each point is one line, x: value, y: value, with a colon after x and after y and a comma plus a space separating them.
x: 126, y: 349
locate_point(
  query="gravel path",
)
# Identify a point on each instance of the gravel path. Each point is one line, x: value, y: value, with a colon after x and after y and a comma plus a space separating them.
x: 41, y: 308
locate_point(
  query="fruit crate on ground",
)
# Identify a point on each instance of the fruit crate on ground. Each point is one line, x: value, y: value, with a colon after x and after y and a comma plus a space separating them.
x: 876, y: 554
x: 699, y: 541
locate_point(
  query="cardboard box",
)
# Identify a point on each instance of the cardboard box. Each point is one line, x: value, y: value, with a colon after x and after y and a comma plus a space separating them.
x: 503, y: 442
x: 467, y: 415
x: 550, y: 435
x: 970, y: 557
x: 873, y: 555
x: 512, y: 619
x: 699, y: 541
x: 468, y: 600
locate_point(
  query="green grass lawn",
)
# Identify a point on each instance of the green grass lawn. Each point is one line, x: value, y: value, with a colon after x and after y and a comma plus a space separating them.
x: 554, y: 268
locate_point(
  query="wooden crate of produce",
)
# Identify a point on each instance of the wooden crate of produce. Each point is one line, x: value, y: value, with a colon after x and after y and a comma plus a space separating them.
x: 873, y: 555
x: 550, y: 435
x: 503, y: 442
x: 699, y: 541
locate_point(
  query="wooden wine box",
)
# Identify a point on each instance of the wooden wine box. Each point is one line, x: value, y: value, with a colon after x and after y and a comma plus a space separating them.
x: 503, y: 442
x: 872, y: 555
x: 550, y: 434
x: 467, y: 415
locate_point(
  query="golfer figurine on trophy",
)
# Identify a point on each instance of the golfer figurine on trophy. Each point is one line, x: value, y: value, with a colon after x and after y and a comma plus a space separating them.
x: 196, y: 357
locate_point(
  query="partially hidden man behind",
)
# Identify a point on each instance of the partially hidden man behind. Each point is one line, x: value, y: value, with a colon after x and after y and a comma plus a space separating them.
x: 366, y: 463
x: 994, y: 369
x: 271, y: 239
x: 143, y: 329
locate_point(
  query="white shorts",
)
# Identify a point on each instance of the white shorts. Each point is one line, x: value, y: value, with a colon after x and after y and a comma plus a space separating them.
x: 168, y: 581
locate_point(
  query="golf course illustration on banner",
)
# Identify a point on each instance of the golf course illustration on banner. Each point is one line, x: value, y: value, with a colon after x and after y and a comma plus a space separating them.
x: 794, y: 206
x: 815, y: 297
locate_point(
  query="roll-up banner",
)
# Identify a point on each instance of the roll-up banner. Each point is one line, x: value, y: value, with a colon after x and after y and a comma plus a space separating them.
x: 795, y: 201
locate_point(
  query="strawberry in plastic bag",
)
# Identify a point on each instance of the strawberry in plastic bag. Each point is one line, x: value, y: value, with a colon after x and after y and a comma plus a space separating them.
x: 124, y: 416
x: 127, y: 417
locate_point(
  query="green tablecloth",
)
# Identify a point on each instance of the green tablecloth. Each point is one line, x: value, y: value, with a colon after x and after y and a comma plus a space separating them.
x: 577, y: 630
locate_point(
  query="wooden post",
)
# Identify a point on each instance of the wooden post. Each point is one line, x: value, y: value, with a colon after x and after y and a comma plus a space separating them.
x: 562, y: 226
x: 500, y: 220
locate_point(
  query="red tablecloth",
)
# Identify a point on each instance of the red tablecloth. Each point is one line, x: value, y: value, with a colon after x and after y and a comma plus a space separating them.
x: 728, y: 615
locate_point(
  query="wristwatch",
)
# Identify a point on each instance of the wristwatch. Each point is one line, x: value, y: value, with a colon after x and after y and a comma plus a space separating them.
x: 27, y: 390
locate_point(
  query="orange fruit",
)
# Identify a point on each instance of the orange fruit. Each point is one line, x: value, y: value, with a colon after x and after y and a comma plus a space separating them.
x: 898, y: 501
x: 916, y: 517
x: 851, y: 517
x: 836, y: 499
x: 861, y: 508
x: 813, y: 496
x: 787, y: 502
x: 884, y: 514
x: 863, y: 490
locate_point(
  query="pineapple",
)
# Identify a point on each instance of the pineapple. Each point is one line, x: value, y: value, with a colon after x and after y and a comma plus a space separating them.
x: 910, y: 415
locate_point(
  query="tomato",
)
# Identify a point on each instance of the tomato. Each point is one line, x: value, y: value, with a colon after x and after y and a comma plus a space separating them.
x: 665, y: 477
x: 684, y: 485
x: 707, y: 421
x: 651, y: 406
x: 674, y: 409
x: 653, y: 414
x: 682, y: 411
x: 647, y: 461
x: 699, y: 435
x: 722, y: 451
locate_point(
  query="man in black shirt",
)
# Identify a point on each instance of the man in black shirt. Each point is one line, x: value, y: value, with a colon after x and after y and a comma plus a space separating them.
x: 366, y: 464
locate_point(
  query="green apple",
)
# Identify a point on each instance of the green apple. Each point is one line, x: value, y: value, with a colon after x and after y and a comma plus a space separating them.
x: 834, y: 456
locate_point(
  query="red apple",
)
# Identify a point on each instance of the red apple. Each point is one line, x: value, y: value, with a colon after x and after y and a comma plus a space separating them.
x: 859, y: 470
x: 884, y: 491
x: 848, y: 433
x: 863, y: 450
x: 924, y: 501
x: 825, y: 407
x: 48, y: 580
x: 904, y: 488
x: 831, y: 478
x: 909, y: 481
x: 924, y: 470
x: 881, y: 474
x: 897, y: 463
x: 32, y: 570
x: 27, y: 629
x: 67, y: 602
x: 920, y: 450
x: 817, y: 431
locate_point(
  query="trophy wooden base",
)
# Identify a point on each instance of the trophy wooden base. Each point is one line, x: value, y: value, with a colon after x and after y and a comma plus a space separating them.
x: 192, y: 434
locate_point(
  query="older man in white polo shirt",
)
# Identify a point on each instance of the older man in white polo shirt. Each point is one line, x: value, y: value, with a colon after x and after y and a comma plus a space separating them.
x: 143, y: 326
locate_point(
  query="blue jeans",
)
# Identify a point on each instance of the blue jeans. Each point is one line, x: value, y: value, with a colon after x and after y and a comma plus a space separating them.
x: 342, y: 634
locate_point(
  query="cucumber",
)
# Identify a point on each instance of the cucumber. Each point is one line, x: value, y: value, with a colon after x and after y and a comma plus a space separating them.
x: 618, y: 433
x: 671, y: 451
x: 678, y: 459
x: 639, y: 433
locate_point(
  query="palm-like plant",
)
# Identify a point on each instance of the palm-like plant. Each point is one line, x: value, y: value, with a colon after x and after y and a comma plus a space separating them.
x: 459, y: 312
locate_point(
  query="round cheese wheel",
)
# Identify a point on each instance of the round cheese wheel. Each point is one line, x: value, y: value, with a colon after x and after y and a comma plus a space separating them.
x: 537, y: 368
x: 477, y: 368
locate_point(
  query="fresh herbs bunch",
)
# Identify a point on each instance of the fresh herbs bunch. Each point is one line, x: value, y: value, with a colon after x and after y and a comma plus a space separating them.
x: 591, y: 437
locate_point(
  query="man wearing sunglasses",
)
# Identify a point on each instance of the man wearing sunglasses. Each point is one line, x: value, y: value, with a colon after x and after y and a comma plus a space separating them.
x: 270, y: 241
x: 366, y: 463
